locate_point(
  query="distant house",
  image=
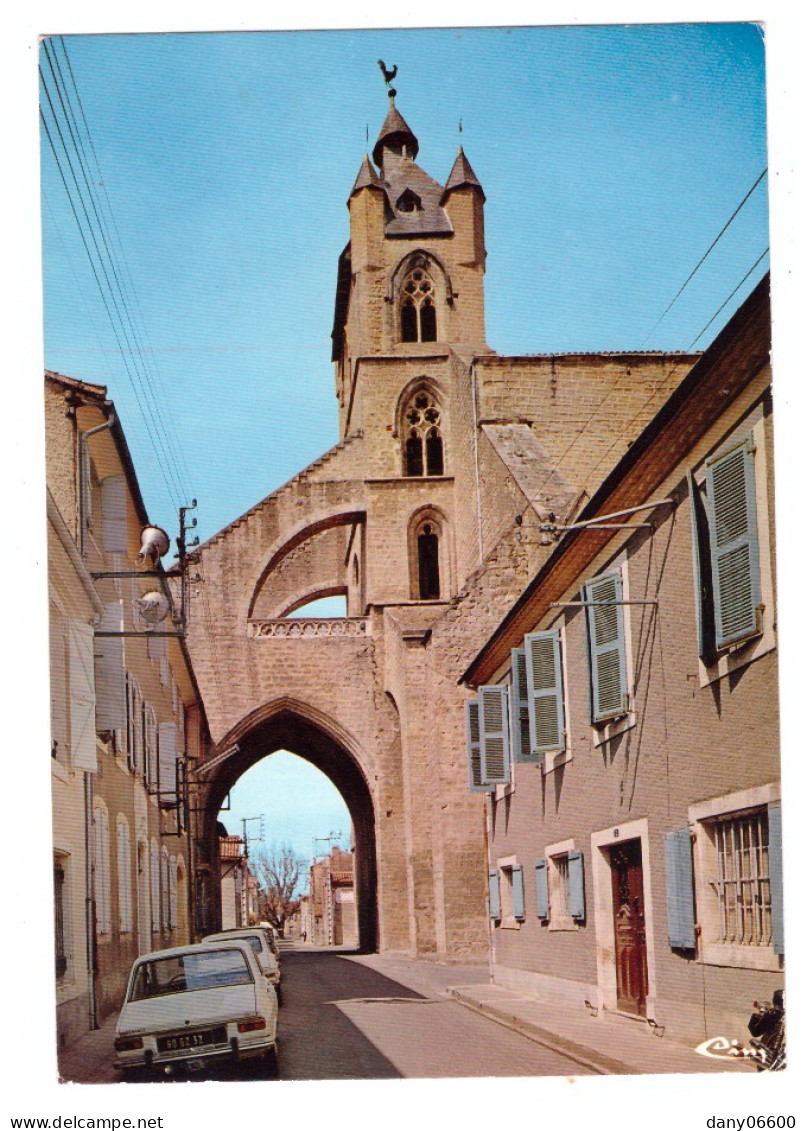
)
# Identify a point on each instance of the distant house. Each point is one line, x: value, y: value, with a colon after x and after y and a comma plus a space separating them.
x: 332, y: 899
x: 625, y: 726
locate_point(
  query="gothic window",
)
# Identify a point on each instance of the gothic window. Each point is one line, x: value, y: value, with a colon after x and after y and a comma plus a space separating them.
x: 429, y: 568
x: 423, y: 441
x: 428, y: 563
x: 418, y: 308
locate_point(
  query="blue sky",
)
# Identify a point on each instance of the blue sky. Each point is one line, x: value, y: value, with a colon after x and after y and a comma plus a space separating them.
x: 611, y: 158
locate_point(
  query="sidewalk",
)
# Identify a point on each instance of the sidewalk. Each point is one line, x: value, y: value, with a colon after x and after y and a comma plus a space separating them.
x: 608, y: 1045
x: 87, y: 1060
x: 633, y: 1047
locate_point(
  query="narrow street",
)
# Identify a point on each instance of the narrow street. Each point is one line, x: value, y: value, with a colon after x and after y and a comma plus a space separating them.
x: 342, y: 1019
x: 353, y: 1017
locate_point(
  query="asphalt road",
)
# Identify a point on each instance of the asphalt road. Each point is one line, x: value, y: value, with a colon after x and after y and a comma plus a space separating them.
x: 343, y: 1019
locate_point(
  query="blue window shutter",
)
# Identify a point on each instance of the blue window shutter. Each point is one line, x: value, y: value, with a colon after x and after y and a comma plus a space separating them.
x: 494, y: 734
x: 518, y: 892
x: 519, y: 708
x: 680, y: 889
x: 606, y: 638
x: 494, y: 900
x: 474, y: 747
x: 733, y: 543
x: 775, y: 865
x: 545, y: 694
x: 577, y: 886
x: 541, y: 890
x: 702, y: 571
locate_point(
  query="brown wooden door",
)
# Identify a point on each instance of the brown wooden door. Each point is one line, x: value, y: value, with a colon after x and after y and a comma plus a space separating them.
x: 629, y: 927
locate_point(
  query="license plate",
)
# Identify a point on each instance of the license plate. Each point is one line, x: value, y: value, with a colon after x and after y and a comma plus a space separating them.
x: 198, y: 1039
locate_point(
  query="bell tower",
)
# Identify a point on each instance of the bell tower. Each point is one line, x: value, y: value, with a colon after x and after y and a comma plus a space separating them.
x: 411, y: 279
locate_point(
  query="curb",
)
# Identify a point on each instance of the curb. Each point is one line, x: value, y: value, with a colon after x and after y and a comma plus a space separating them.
x: 580, y: 1054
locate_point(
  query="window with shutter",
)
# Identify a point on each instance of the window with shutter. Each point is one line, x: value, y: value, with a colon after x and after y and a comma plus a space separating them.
x: 733, y: 544
x: 702, y: 571
x: 113, y: 514
x: 519, y: 708
x: 737, y: 878
x: 680, y: 889
x: 494, y: 734
x: 474, y: 748
x: 167, y: 747
x: 547, y: 720
x: 110, y: 672
x: 541, y: 889
x: 775, y: 867
x: 517, y: 873
x: 606, y: 641
x: 494, y: 900
x: 576, y: 904
x: 82, y: 697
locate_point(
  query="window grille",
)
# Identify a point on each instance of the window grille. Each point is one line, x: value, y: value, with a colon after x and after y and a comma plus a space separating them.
x: 743, y: 879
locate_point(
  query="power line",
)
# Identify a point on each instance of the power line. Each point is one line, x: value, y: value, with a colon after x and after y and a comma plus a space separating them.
x: 103, y: 263
x: 706, y: 255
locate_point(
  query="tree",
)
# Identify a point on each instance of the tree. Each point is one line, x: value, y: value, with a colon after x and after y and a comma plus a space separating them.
x: 278, y: 871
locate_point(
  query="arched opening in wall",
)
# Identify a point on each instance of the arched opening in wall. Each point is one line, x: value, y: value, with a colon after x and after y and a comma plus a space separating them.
x: 418, y: 307
x: 324, y: 608
x: 313, y: 799
x: 429, y: 555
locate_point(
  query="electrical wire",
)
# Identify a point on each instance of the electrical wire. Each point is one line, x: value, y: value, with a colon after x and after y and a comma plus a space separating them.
x: 93, y: 231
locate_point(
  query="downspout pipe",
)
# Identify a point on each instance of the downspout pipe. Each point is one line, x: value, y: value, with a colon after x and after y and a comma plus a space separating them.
x: 89, y: 902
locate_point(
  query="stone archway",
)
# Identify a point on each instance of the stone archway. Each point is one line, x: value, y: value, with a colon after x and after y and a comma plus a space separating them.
x: 300, y: 729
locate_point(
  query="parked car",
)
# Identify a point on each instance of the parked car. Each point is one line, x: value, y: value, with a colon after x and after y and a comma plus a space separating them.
x: 256, y: 938
x: 193, y: 1005
x: 271, y: 935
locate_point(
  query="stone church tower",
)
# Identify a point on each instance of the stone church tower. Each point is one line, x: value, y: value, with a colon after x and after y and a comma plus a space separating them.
x: 426, y: 516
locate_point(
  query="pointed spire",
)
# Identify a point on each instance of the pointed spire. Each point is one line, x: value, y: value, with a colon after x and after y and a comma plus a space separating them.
x: 461, y: 174
x: 394, y: 135
x: 367, y: 177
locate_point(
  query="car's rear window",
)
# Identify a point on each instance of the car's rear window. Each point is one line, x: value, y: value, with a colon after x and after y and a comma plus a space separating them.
x: 253, y: 940
x: 201, y: 970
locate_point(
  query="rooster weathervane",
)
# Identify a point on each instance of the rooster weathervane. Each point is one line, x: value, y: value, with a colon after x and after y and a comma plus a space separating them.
x: 388, y: 77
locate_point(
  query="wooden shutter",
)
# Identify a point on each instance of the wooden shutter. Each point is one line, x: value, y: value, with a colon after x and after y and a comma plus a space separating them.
x: 702, y: 571
x: 547, y: 720
x: 775, y: 866
x: 680, y: 889
x: 474, y: 747
x: 113, y: 514
x: 110, y: 672
x: 577, y: 886
x: 82, y: 697
x: 733, y: 543
x: 167, y: 748
x: 494, y: 898
x: 606, y: 640
x: 494, y: 734
x: 519, y: 708
x: 541, y: 889
x: 518, y: 891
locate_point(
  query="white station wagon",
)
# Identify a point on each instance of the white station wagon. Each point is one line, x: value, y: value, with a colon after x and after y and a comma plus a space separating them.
x: 260, y: 941
x: 192, y: 1005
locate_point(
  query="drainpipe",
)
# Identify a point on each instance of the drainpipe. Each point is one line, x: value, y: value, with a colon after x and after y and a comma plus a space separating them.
x: 89, y: 901
x: 83, y: 437
x: 476, y: 460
